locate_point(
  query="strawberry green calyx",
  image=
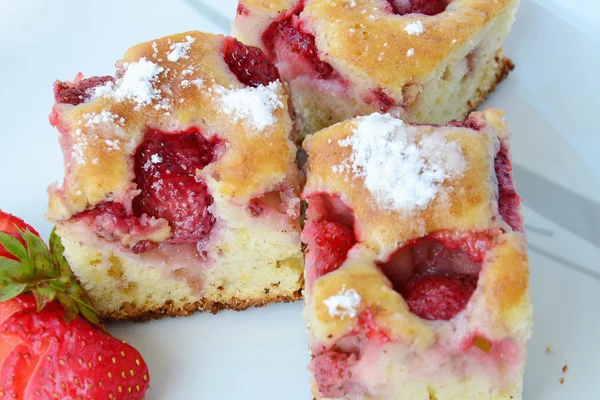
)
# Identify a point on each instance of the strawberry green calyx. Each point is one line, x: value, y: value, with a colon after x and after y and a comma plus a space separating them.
x: 43, y: 271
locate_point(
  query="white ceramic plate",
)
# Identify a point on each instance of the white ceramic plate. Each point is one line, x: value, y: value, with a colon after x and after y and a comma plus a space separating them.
x: 550, y: 101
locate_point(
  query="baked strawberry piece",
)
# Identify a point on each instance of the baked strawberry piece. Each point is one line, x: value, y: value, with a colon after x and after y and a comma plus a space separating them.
x: 52, y: 344
x: 416, y: 264
x: 427, y: 61
x: 181, y: 187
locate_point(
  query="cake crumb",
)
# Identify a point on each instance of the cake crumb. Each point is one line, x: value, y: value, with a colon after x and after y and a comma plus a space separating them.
x: 549, y: 349
x: 415, y: 28
x: 565, y: 368
x: 403, y: 171
x: 562, y: 380
x: 343, y: 304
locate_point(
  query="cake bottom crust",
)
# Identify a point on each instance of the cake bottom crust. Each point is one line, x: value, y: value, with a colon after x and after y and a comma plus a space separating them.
x: 125, y: 286
x: 505, y: 66
x: 183, y: 309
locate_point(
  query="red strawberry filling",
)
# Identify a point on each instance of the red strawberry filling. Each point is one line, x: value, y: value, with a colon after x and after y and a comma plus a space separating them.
x: 242, y: 10
x: 438, y: 274
x: 112, y: 221
x: 166, y: 166
x: 384, y: 101
x: 289, y: 33
x: 332, y: 370
x: 248, y: 63
x: 78, y: 91
x: 367, y: 324
x: 329, y: 235
x: 438, y: 297
x: 328, y: 245
x: 427, y: 7
x: 509, y: 202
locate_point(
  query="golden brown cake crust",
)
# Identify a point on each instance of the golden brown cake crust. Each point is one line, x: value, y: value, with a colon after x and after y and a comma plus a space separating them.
x: 169, y: 309
x: 98, y: 162
x: 502, y: 296
x: 500, y: 305
x: 505, y: 66
x: 471, y: 206
x: 365, y: 40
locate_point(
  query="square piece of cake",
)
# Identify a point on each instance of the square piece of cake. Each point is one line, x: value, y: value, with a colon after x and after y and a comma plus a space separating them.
x: 416, y: 269
x: 181, y: 187
x: 426, y: 61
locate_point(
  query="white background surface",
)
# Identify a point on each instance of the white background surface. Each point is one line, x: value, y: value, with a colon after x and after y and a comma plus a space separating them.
x: 551, y: 102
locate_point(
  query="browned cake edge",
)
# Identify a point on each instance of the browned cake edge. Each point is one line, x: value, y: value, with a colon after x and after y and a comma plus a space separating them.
x: 169, y: 309
x: 505, y: 66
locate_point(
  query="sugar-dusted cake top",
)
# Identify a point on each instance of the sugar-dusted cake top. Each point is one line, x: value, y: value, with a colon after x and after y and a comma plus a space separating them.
x: 401, y: 171
x: 405, y: 181
x: 226, y: 91
x: 421, y: 207
x: 368, y: 39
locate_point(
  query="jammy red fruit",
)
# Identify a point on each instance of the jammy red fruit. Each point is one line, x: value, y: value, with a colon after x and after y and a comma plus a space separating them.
x: 438, y: 297
x: 332, y: 370
x: 166, y: 167
x: 79, y: 91
x: 329, y: 243
x: 427, y: 7
x: 290, y: 33
x: 52, y: 344
x: 249, y: 64
x: 508, y: 200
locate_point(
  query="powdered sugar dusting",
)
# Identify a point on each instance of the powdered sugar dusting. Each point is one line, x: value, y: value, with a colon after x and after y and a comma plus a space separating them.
x: 137, y: 84
x: 401, y: 172
x: 180, y: 50
x: 343, y: 304
x: 415, y: 28
x: 104, y: 117
x: 410, y: 52
x: 79, y: 147
x: 254, y: 105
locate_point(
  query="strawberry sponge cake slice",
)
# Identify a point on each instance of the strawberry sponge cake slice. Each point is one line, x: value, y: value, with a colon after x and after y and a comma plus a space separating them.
x: 426, y: 61
x: 416, y: 266
x: 181, y: 188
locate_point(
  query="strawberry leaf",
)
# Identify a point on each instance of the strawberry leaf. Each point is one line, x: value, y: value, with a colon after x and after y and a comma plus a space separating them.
x: 57, y: 251
x: 16, y: 248
x: 43, y: 296
x: 39, y: 256
x: 45, y: 271
x: 11, y: 269
x: 88, y: 313
x: 59, y: 285
x: 69, y: 305
x: 12, y: 290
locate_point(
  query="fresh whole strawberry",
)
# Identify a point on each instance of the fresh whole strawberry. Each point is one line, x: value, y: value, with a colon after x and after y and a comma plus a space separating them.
x: 329, y: 243
x: 52, y: 344
x: 438, y: 297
